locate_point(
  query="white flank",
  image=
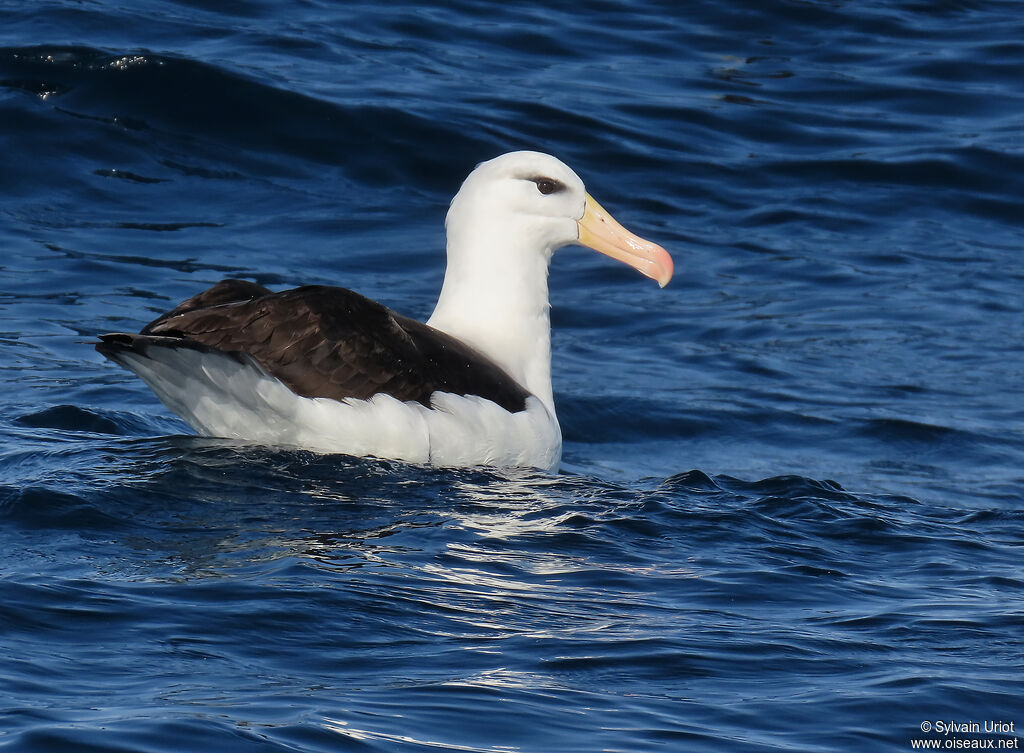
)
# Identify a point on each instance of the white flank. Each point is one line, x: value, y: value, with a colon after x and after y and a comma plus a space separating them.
x: 220, y: 396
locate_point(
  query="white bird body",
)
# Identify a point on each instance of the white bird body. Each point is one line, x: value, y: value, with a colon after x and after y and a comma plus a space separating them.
x: 219, y: 396
x: 325, y: 369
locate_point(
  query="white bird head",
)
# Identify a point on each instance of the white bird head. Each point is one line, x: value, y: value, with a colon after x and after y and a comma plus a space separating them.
x: 540, y: 202
x: 509, y: 217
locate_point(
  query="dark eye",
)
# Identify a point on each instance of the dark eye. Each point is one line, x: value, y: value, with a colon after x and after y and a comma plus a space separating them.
x: 547, y: 185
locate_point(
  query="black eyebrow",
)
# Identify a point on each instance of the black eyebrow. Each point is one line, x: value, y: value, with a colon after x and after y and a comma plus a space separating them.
x: 543, y: 182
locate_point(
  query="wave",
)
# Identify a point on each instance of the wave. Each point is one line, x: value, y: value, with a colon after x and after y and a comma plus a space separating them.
x: 199, y: 107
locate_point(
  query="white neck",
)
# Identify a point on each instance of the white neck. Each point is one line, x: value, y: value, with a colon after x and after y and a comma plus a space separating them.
x: 497, y: 301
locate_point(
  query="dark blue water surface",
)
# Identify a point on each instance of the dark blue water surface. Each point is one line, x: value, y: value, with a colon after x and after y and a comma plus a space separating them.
x: 791, y: 511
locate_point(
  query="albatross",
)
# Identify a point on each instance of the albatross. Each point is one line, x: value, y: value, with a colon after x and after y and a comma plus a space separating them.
x: 326, y: 369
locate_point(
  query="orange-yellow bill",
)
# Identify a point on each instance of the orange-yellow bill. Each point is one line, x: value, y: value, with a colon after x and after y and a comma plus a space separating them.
x: 600, y: 231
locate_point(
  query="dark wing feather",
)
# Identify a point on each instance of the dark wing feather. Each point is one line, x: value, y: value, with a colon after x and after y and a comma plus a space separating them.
x: 330, y: 342
x: 225, y: 291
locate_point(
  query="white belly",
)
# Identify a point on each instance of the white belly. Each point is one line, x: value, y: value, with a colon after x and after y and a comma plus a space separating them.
x: 221, y: 397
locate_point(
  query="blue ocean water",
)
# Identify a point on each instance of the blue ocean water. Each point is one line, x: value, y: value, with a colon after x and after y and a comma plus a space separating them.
x: 791, y: 510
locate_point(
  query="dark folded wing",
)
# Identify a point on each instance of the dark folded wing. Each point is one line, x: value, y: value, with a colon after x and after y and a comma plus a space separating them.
x: 225, y: 291
x: 329, y: 342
